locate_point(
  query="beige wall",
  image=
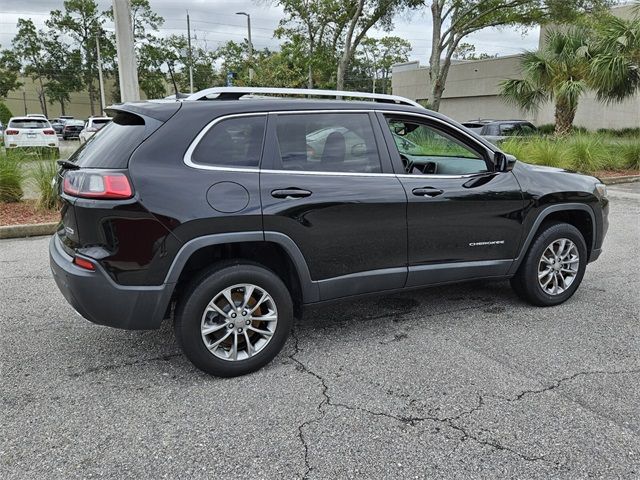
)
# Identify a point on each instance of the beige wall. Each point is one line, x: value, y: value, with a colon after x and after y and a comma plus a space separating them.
x: 472, y: 91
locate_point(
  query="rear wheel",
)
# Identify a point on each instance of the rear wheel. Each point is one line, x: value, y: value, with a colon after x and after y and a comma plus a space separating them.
x: 554, y: 266
x: 234, y: 319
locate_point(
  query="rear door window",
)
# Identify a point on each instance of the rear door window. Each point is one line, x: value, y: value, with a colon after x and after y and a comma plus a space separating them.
x: 233, y: 142
x: 328, y: 142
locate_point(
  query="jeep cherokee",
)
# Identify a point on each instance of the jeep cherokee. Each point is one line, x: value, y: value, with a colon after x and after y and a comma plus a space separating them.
x: 232, y: 214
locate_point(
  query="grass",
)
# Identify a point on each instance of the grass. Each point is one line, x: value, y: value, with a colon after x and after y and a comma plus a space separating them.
x: 42, y: 177
x: 11, y: 178
x: 584, y: 152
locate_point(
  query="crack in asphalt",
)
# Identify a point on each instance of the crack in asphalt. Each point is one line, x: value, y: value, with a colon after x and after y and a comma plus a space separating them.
x: 557, y: 383
x: 102, y: 368
x: 407, y: 420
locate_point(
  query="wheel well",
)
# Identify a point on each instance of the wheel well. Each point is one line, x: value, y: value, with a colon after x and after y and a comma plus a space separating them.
x: 268, y: 254
x: 579, y: 219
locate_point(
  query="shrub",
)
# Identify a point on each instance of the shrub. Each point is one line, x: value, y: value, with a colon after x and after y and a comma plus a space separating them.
x: 5, y: 114
x: 11, y: 177
x: 629, y: 154
x: 546, y: 151
x: 547, y: 129
x: 516, y: 147
x: 621, y: 132
x: 589, y: 153
x: 42, y: 177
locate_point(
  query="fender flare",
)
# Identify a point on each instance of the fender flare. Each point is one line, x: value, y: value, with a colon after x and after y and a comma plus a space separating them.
x: 538, y: 221
x: 310, y: 291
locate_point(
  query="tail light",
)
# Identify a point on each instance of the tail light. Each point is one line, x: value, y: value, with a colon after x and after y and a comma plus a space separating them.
x: 49, y: 132
x: 84, y: 263
x: 12, y: 132
x: 96, y: 184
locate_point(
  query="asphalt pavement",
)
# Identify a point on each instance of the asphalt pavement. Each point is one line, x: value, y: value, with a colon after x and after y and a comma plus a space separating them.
x: 453, y: 382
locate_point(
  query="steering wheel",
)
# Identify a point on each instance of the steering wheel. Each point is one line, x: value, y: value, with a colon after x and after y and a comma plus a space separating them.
x: 406, y: 163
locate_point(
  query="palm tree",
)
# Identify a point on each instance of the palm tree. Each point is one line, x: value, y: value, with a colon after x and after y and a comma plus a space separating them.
x: 559, y: 72
x: 615, y: 57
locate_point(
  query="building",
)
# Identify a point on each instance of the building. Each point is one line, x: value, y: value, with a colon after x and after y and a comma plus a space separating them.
x: 472, y: 92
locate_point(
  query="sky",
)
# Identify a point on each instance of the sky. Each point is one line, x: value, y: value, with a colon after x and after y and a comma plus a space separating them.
x: 214, y: 22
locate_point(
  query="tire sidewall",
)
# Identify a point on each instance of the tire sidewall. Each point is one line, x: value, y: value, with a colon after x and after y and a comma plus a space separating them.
x: 548, y: 236
x: 205, y: 288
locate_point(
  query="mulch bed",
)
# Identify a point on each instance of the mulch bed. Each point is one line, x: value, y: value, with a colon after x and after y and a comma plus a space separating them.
x: 25, y: 212
x: 616, y: 173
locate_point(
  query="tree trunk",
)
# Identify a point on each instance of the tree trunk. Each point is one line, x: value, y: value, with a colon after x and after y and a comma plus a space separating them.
x: 343, y: 64
x: 310, y: 77
x: 91, y: 97
x: 62, y: 110
x: 43, y: 99
x: 434, y: 59
x: 342, y: 72
x: 564, y: 115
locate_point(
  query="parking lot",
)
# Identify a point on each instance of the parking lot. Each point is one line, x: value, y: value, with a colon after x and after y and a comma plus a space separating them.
x: 453, y: 382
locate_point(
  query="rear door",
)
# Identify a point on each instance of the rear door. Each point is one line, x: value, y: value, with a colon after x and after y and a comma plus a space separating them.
x: 464, y: 219
x: 327, y: 185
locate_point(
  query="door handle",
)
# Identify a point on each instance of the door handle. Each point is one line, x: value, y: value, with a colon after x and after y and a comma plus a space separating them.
x: 290, y: 193
x: 426, y: 192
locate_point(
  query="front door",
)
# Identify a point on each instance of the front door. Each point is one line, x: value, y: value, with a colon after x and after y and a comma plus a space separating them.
x: 327, y: 186
x: 464, y: 218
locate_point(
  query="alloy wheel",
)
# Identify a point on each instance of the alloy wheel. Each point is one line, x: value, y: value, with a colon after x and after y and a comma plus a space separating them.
x: 558, y: 266
x: 239, y: 322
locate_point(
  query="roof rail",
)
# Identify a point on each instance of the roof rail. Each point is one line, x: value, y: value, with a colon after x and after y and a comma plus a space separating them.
x: 234, y: 93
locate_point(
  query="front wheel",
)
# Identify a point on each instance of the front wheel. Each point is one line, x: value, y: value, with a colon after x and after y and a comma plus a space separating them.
x: 234, y: 319
x: 554, y: 266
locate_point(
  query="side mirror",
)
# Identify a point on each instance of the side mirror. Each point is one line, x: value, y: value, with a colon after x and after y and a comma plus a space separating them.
x: 504, y: 162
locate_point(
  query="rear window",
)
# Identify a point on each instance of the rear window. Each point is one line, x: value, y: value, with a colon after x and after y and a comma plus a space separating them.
x: 101, y: 121
x: 29, y: 123
x: 112, y: 146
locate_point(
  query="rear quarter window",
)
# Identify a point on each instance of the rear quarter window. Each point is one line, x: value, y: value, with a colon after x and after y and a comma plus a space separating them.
x: 233, y: 142
x: 112, y: 146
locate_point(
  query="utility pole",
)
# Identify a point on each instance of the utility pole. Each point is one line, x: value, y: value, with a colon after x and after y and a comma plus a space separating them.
x: 100, y: 78
x: 190, y: 53
x: 127, y: 67
x: 24, y: 99
x: 250, y: 44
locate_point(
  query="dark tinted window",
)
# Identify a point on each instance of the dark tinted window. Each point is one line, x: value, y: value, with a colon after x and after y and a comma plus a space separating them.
x: 29, y: 123
x: 235, y: 142
x: 112, y: 146
x: 328, y: 142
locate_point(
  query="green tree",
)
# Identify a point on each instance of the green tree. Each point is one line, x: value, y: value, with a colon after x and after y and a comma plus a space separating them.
x: 559, y: 73
x: 28, y: 46
x: 82, y: 21
x: 62, y: 64
x: 467, y: 51
x: 455, y: 20
x: 615, y: 57
x: 9, y: 72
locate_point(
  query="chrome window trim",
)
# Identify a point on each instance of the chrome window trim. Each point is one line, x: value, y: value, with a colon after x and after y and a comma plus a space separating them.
x: 194, y: 144
x: 189, y: 162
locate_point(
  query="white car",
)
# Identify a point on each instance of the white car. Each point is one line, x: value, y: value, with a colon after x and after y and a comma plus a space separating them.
x: 30, y: 132
x: 36, y: 115
x: 91, y: 126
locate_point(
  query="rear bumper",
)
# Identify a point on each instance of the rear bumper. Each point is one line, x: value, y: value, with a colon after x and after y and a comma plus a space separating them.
x: 96, y: 297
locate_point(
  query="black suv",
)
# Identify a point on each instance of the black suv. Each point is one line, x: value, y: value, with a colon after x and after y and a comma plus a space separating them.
x: 233, y: 214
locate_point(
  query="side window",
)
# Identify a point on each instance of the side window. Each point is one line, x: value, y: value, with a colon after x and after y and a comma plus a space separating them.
x: 328, y: 142
x: 234, y: 142
x: 425, y: 150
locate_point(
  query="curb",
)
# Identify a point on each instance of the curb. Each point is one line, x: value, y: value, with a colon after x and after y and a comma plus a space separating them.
x: 30, y: 230
x: 625, y: 179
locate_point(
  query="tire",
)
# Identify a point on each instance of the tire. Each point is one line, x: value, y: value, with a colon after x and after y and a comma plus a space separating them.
x: 195, y: 316
x: 550, y: 238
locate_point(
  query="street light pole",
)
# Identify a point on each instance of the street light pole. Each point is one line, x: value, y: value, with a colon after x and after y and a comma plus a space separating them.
x: 190, y: 54
x: 250, y: 43
x: 103, y: 102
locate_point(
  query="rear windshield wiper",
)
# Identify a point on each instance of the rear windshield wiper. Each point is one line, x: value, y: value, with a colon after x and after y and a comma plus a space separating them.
x: 67, y: 165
